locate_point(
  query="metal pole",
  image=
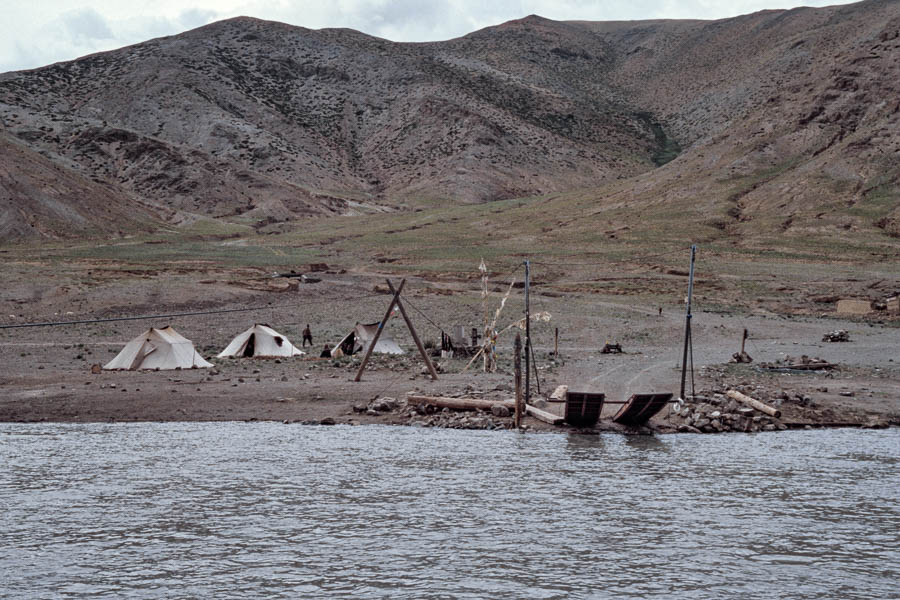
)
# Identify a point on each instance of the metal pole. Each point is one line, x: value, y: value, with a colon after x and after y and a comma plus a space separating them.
x: 527, y: 335
x: 518, y: 371
x: 687, y: 321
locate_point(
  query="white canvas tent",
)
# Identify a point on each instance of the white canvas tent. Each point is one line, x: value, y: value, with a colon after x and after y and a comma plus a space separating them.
x: 260, y: 340
x: 158, y: 349
x: 360, y: 337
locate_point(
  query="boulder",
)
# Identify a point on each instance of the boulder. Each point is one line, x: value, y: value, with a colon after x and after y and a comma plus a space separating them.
x: 385, y: 404
x: 499, y: 410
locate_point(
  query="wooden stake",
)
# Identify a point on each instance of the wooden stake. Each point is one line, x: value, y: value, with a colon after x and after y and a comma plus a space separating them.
x: 415, y: 336
x: 527, y: 335
x: 537, y: 379
x: 743, y: 341
x: 520, y: 403
x: 556, y: 343
x: 378, y: 333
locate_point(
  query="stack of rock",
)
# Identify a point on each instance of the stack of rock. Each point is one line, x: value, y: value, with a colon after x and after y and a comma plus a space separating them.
x: 838, y: 335
x: 717, y: 413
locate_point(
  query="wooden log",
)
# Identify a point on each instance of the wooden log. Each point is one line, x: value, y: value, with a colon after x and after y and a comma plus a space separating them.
x: 459, y: 403
x: 769, y: 410
x: 542, y: 415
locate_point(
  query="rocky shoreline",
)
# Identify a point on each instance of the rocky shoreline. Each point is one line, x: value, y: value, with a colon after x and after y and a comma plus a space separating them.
x: 705, y: 413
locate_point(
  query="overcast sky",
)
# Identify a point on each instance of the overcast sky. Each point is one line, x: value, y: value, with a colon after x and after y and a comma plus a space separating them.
x: 35, y: 33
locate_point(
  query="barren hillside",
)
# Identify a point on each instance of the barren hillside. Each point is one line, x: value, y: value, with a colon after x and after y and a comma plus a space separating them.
x: 774, y: 120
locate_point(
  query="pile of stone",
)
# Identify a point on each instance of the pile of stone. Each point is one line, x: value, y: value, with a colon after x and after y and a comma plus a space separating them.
x: 838, y: 335
x: 741, y: 358
x: 378, y: 406
x: 803, y: 363
x: 717, y: 413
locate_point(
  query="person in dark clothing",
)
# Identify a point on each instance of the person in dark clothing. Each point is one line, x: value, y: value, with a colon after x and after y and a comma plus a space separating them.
x: 307, y: 336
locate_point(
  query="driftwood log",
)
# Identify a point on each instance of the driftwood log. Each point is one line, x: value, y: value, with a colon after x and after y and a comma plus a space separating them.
x: 459, y: 403
x: 769, y: 410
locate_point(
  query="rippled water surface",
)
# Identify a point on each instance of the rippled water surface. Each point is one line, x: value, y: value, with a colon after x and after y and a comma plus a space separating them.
x: 269, y: 510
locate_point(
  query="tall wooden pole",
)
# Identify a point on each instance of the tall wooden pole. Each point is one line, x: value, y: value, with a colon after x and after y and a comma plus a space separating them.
x: 687, y: 321
x: 537, y: 378
x: 378, y: 333
x: 518, y: 367
x: 412, y: 331
x: 556, y: 343
x: 527, y: 335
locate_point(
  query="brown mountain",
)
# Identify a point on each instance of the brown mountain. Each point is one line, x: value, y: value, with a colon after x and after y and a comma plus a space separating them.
x: 774, y: 118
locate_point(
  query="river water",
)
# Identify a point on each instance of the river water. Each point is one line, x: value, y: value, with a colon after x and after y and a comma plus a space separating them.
x: 202, y: 510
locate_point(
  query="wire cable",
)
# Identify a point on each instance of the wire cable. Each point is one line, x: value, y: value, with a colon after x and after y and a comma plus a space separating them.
x: 167, y: 316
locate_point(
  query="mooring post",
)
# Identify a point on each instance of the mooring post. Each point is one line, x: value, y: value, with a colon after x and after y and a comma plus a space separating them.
x: 518, y: 370
x: 527, y: 335
x: 537, y: 377
x: 687, y: 321
x: 556, y: 343
x: 743, y: 341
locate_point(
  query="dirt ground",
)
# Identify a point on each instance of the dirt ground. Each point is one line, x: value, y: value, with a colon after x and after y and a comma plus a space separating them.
x: 47, y: 370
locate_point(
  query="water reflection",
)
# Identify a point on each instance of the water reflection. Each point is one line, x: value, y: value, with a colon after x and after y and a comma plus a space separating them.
x: 646, y: 443
x: 584, y: 446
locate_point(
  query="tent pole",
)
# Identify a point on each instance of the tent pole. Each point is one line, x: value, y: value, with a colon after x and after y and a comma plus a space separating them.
x: 378, y: 333
x: 415, y: 336
x: 687, y: 322
x: 527, y: 336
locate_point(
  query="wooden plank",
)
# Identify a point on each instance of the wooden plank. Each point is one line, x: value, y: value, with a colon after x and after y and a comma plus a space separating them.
x: 559, y: 394
x: 544, y: 416
x: 459, y: 403
x: 769, y: 410
x: 583, y: 408
x: 640, y: 408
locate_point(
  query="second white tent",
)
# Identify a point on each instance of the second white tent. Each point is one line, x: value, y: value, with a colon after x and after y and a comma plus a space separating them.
x: 260, y: 341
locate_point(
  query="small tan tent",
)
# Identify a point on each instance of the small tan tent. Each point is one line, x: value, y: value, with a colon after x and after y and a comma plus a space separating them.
x: 359, y: 339
x: 158, y: 349
x: 260, y: 340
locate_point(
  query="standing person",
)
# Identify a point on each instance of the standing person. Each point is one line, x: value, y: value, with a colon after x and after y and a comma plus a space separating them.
x: 307, y: 337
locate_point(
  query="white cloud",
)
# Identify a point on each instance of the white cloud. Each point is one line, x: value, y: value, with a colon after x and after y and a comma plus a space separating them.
x: 40, y: 32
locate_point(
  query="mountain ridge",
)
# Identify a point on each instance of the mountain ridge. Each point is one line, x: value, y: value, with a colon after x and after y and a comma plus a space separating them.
x: 260, y: 123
